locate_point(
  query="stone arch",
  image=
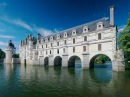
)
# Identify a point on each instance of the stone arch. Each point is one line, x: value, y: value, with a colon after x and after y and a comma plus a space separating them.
x: 71, y: 60
x: 46, y: 61
x: 57, y: 61
x: 92, y: 59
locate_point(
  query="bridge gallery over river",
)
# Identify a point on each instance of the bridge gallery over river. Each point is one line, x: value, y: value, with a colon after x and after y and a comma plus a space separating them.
x: 86, y: 41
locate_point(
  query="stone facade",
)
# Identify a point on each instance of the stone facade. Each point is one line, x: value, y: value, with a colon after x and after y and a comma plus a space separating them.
x: 86, y: 41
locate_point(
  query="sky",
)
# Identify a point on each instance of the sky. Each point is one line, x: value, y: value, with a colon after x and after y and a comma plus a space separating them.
x: 18, y: 18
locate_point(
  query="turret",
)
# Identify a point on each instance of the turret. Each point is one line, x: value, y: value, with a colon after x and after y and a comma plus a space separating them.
x: 10, y: 50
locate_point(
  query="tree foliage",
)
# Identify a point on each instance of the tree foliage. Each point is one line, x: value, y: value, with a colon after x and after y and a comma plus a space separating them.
x: 15, y: 55
x: 124, y: 41
x: 2, y: 54
x: 101, y: 59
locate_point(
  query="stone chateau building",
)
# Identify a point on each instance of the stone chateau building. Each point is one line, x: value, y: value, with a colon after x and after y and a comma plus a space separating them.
x: 86, y: 41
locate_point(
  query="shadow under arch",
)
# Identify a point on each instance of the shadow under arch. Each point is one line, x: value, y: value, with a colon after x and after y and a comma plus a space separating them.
x: 91, y: 63
x: 57, y: 61
x: 46, y: 61
x: 72, y: 61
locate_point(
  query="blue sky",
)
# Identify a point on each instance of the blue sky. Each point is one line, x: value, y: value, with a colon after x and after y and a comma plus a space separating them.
x: 18, y: 18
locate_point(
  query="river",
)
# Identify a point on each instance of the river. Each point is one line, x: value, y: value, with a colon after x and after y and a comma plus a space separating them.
x: 41, y: 81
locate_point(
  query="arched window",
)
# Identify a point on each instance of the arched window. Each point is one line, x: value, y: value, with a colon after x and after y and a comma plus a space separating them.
x: 73, y: 49
x: 84, y: 48
x: 73, y: 40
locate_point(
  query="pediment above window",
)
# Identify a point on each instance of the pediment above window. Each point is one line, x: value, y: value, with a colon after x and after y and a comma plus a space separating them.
x: 99, y: 25
x: 85, y: 29
x: 74, y: 32
x: 58, y: 36
x: 65, y: 34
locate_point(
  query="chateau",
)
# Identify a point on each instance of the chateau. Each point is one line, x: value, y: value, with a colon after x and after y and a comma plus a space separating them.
x: 85, y: 41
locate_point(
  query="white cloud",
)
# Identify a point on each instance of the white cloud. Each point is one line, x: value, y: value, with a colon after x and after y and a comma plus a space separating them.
x: 23, y: 24
x: 17, y: 22
x: 43, y: 31
x: 6, y: 36
x: 3, y: 43
x: 121, y: 28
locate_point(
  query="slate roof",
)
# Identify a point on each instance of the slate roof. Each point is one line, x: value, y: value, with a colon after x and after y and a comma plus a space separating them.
x: 92, y: 26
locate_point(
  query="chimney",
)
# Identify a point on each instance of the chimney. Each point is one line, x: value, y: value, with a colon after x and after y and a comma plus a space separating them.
x: 112, y: 15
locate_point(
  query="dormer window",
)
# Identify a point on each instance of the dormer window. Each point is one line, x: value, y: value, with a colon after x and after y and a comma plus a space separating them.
x: 58, y: 36
x: 51, y: 38
x: 73, y: 32
x: 65, y: 34
x: 85, y: 29
x: 100, y: 25
x: 46, y: 39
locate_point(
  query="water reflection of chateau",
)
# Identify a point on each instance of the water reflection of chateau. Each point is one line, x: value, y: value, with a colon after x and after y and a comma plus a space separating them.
x: 86, y: 41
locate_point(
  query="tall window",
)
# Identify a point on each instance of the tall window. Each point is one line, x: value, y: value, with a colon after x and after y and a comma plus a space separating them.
x: 42, y: 46
x: 73, y: 40
x: 65, y: 41
x: 50, y: 51
x: 99, y: 47
x: 57, y: 43
x: 99, y: 36
x: 46, y: 45
x: 85, y: 38
x: 73, y: 49
x: 63, y: 50
x: 46, y: 52
x: 51, y: 44
x: 57, y: 51
x: 84, y: 48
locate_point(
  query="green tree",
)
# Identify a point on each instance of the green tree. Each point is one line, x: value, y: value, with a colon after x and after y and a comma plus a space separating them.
x: 15, y: 55
x: 124, y: 43
x: 2, y: 54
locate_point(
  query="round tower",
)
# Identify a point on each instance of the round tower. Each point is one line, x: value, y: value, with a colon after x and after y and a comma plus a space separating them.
x: 10, y: 50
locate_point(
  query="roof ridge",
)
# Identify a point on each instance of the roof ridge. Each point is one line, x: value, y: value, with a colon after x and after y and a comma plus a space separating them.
x: 79, y: 25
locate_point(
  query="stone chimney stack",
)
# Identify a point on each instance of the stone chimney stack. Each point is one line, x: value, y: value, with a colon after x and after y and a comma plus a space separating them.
x: 112, y: 15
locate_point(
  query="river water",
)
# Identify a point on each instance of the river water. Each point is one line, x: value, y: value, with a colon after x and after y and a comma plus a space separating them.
x: 41, y: 81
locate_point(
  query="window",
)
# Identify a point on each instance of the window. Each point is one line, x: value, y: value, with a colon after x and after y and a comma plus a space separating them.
x: 63, y: 50
x: 73, y: 49
x: 50, y: 51
x: 46, y: 45
x: 73, y: 40
x: 73, y: 32
x: 99, y: 47
x: 51, y: 44
x: 65, y: 34
x: 57, y: 43
x: 65, y: 41
x: 85, y: 29
x: 99, y: 36
x: 57, y: 51
x: 46, y: 52
x: 85, y: 38
x: 42, y: 46
x: 84, y: 48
